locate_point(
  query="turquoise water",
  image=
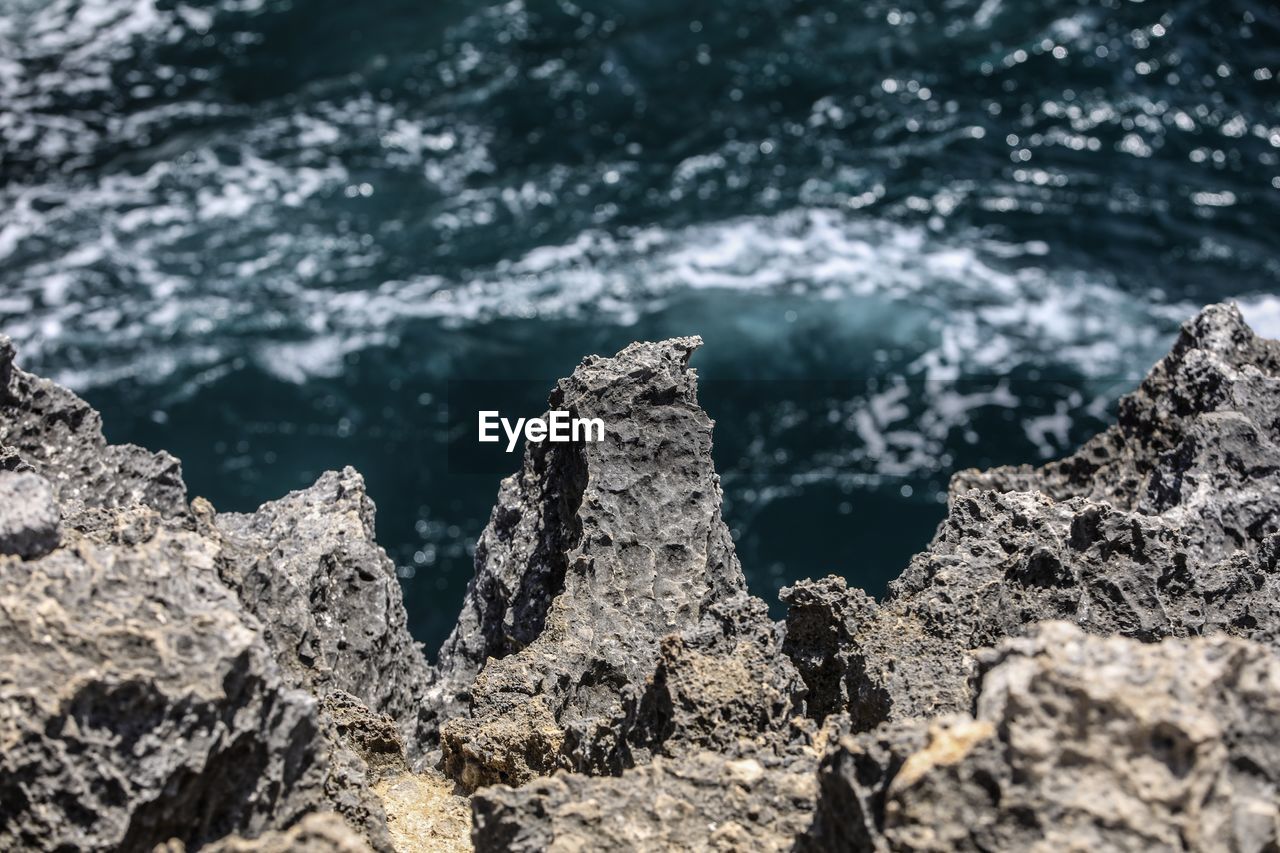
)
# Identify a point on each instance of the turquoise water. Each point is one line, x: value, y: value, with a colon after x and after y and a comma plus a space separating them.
x: 269, y: 236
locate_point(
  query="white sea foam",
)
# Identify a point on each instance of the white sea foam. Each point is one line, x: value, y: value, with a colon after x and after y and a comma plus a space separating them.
x: 1262, y: 313
x: 974, y: 305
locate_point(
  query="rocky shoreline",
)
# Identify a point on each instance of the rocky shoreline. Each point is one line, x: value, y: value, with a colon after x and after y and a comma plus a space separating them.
x: 1085, y: 656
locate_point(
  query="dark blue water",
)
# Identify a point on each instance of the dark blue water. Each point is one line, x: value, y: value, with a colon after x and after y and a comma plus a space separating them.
x: 916, y: 236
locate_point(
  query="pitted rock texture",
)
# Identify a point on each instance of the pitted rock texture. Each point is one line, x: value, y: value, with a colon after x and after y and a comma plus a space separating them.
x: 308, y: 567
x: 323, y: 832
x: 170, y: 675
x: 138, y: 704
x: 1163, y: 526
x: 10, y: 459
x: 141, y: 699
x: 29, y: 522
x: 60, y: 436
x: 520, y: 559
x: 723, y: 685
x: 867, y: 663
x: 1001, y: 561
x: 1195, y: 443
x: 703, y: 801
x: 1077, y: 743
x: 595, y: 552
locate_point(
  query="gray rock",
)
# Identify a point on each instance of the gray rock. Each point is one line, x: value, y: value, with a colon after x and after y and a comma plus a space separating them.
x: 138, y: 704
x: 1163, y: 526
x: 868, y: 663
x: 60, y: 436
x: 316, y: 833
x: 520, y: 559
x: 1078, y: 742
x: 375, y: 738
x: 703, y: 801
x: 29, y: 515
x: 11, y: 460
x: 1197, y: 442
x: 139, y: 694
x: 308, y: 567
x: 723, y: 685
x: 1001, y: 561
x: 594, y: 553
x: 171, y: 675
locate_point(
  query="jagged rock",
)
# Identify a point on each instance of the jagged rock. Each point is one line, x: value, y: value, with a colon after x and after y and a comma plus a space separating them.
x: 594, y: 553
x: 1196, y: 442
x: 373, y: 737
x: 704, y: 801
x: 171, y: 675
x: 1164, y: 526
x: 11, y: 460
x: 248, y: 753
x: 822, y: 621
x: 60, y: 437
x: 1078, y: 742
x: 520, y: 558
x: 327, y: 596
x: 315, y: 833
x: 128, y: 526
x: 29, y: 515
x: 137, y: 704
x: 349, y: 785
x: 1006, y: 560
x: 867, y: 663
x: 723, y: 685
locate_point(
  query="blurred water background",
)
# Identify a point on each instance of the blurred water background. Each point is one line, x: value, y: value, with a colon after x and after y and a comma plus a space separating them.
x: 916, y: 235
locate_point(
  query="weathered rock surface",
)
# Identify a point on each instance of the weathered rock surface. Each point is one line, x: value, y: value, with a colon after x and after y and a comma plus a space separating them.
x: 1163, y: 526
x: 704, y: 801
x: 425, y: 813
x: 866, y: 662
x: 323, y: 832
x: 168, y: 674
x: 1190, y: 444
x: 60, y: 437
x: 137, y: 704
x: 1077, y: 743
x: 722, y: 685
x: 29, y: 523
x: 327, y: 596
x: 594, y: 553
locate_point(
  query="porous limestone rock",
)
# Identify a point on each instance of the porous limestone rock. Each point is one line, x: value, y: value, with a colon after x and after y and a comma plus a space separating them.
x: 323, y: 832
x: 374, y: 737
x: 138, y: 704
x: 308, y: 567
x: 868, y: 663
x: 425, y: 813
x: 140, y: 698
x: 173, y: 676
x: 1077, y: 743
x: 1163, y: 526
x: 1197, y: 443
x: 722, y: 685
x: 60, y: 436
x: 10, y: 459
x: 29, y: 516
x: 595, y: 552
x: 703, y: 801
